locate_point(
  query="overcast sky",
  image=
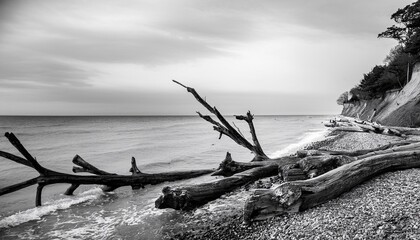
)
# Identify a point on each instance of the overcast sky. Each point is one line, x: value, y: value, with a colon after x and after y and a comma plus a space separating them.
x: 118, y: 57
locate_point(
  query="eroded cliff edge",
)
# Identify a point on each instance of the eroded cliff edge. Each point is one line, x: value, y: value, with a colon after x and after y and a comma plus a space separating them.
x: 394, y: 108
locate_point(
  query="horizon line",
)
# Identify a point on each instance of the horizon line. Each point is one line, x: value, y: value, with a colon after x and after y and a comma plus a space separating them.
x: 155, y: 115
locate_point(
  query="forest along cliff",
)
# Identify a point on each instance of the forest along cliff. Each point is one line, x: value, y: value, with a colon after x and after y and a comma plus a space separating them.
x: 395, y: 107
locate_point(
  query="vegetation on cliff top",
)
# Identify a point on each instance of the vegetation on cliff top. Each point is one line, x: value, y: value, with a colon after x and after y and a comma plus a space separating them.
x: 398, y: 65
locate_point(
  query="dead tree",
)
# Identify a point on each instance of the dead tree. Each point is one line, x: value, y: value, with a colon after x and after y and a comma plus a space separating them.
x: 322, y: 151
x: 303, y: 194
x: 318, y: 162
x: 224, y: 128
x: 354, y: 125
x: 189, y: 197
x: 111, y: 181
x: 305, y: 168
x: 239, y: 174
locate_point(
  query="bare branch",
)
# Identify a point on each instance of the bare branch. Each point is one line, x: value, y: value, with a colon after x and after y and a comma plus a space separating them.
x: 109, y: 180
x: 87, y: 167
x: 197, y: 96
x: 224, y: 126
x: 248, y: 118
x: 209, y: 119
x: 18, y: 186
x: 134, y: 169
x: 239, y: 130
x: 16, y: 143
x: 15, y: 158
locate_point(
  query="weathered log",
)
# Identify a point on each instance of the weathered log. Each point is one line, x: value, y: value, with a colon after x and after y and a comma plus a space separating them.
x: 355, y: 125
x: 304, y: 194
x: 240, y: 174
x: 228, y: 167
x: 314, y: 166
x: 304, y: 153
x: 318, y: 162
x: 408, y: 131
x: 225, y: 128
x: 291, y: 173
x: 47, y: 176
x: 401, y: 148
x: 189, y: 197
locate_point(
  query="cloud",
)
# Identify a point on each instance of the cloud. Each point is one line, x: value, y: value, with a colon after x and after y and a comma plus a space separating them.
x: 154, y: 33
x: 116, y: 47
x: 73, y: 48
x: 24, y: 69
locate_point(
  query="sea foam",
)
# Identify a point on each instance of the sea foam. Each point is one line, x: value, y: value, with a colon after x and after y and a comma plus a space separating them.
x: 48, y: 208
x: 307, y: 139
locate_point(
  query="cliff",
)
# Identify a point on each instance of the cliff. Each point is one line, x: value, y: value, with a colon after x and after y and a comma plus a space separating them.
x: 395, y: 108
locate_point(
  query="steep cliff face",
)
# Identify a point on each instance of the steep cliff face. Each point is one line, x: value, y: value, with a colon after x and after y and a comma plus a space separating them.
x: 396, y: 108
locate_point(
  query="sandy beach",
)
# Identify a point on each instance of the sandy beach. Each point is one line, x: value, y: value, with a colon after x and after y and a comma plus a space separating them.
x: 385, y: 207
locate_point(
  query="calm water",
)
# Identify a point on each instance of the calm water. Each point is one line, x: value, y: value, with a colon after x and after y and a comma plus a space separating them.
x: 158, y: 143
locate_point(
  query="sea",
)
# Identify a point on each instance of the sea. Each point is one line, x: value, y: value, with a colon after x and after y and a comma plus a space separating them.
x: 159, y: 144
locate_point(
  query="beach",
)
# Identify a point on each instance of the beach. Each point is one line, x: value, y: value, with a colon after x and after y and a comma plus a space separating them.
x: 387, y: 206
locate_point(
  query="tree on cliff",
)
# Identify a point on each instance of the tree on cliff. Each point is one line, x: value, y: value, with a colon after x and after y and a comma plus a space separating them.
x: 396, y: 71
x: 407, y: 28
x: 344, y: 97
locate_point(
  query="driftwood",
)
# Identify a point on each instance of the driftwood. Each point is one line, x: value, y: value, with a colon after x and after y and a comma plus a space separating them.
x: 306, y: 165
x: 237, y: 173
x: 300, y: 195
x: 292, y: 172
x: 110, y: 180
x: 313, y: 166
x: 319, y: 152
x: 225, y: 128
x: 229, y: 167
x: 188, y: 197
x: 311, y: 177
x: 355, y: 125
x: 318, y: 162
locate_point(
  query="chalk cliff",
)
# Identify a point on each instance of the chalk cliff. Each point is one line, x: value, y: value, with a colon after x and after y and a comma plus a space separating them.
x: 395, y: 108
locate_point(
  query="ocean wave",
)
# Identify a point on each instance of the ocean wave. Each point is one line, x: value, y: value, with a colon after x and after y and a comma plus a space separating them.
x: 307, y: 139
x: 103, y: 224
x: 48, y: 208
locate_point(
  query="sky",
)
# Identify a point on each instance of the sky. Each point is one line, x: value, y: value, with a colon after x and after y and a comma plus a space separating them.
x: 99, y: 57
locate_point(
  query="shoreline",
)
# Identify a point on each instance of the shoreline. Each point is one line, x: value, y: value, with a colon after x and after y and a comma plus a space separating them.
x: 387, y: 206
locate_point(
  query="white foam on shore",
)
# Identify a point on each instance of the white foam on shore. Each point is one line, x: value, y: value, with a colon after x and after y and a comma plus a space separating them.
x: 307, y: 139
x: 49, y: 207
x: 103, y: 224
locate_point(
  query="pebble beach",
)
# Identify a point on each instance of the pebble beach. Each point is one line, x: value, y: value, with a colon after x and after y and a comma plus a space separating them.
x: 385, y: 207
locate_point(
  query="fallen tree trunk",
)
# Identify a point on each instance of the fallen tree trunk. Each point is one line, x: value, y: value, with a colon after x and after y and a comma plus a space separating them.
x: 355, y: 125
x: 319, y: 152
x: 238, y: 174
x: 315, y: 163
x: 189, y: 197
x: 110, y: 180
x: 300, y: 195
